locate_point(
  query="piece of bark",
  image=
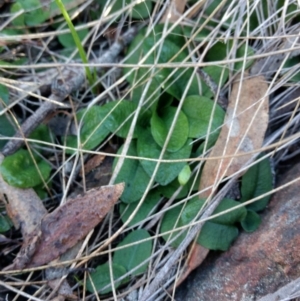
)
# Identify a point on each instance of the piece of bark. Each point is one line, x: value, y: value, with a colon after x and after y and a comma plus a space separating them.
x: 258, y: 263
x: 67, y: 225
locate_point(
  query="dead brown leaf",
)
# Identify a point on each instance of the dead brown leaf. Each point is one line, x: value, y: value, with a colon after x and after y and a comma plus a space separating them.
x: 68, y: 224
x: 92, y: 163
x: 243, y: 131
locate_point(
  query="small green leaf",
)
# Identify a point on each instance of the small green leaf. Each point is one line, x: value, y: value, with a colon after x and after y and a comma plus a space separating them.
x: 20, y: 20
x: 256, y: 181
x: 4, y: 96
x: 67, y: 40
x: 184, y: 175
x: 133, y: 174
x: 41, y: 133
x: 171, y: 221
x: 240, y: 54
x: 168, y: 190
x: 215, y: 236
x: 5, y: 223
x: 101, y: 278
x: 167, y: 172
x: 16, y: 62
x: 189, y: 31
x: 290, y: 63
x: 251, y: 221
x: 164, y: 102
x: 160, y: 127
x: 152, y: 93
x: 139, y: 11
x: 6, y: 129
x: 199, y: 111
x: 119, y: 117
x: 176, y: 35
x: 217, y: 52
x: 220, y: 51
x: 35, y: 13
x: 177, y: 83
x: 41, y: 191
x: 146, y: 208
x: 142, y: 45
x: 142, y: 10
x: 132, y: 256
x: 37, y: 16
x: 232, y: 217
x: 19, y: 170
x: 93, y: 131
x: 205, y: 145
x: 191, y: 209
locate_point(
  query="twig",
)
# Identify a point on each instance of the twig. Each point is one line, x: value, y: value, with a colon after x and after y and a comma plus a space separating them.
x: 221, y: 98
x: 70, y: 79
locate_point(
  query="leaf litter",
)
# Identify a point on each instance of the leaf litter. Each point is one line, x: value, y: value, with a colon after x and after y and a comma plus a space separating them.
x: 229, y: 161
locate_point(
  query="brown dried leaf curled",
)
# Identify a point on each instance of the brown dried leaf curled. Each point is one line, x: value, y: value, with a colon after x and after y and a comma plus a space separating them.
x: 68, y: 224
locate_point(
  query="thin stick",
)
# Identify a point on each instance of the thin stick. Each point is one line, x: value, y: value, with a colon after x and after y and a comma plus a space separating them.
x: 221, y: 98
